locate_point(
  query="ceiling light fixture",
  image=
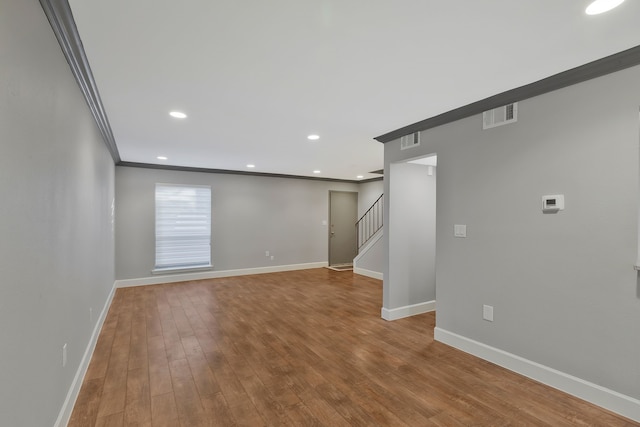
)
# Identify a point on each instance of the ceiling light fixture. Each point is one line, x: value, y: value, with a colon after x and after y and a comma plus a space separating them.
x: 316, y: 171
x: 313, y: 137
x: 601, y: 6
x: 178, y: 114
x: 161, y: 158
x: 359, y: 176
x: 251, y: 166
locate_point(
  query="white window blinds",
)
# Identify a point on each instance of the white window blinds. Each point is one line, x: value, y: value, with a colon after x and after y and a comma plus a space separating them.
x: 183, y: 226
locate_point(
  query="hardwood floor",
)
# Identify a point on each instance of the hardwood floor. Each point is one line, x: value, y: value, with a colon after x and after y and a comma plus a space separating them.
x: 303, y: 348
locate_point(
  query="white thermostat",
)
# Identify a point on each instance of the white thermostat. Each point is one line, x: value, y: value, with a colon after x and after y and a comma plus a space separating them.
x: 460, y: 230
x: 553, y: 203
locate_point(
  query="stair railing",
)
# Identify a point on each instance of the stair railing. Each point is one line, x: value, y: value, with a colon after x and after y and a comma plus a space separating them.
x: 370, y: 222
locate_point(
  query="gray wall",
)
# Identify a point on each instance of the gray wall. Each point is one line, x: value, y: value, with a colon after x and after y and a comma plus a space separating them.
x: 56, y: 238
x: 562, y: 285
x: 250, y: 215
x: 373, y: 257
x: 368, y: 193
x: 410, y: 236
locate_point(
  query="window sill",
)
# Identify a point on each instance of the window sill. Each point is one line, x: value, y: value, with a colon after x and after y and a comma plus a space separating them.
x: 181, y: 269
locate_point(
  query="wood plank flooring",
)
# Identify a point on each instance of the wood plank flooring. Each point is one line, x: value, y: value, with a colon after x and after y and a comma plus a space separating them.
x: 303, y: 348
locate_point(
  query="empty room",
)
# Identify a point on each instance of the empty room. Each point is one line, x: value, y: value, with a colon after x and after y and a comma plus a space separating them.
x: 325, y: 213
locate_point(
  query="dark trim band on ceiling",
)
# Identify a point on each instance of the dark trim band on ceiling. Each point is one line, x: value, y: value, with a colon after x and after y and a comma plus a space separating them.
x: 607, y: 65
x: 233, y: 172
x: 60, y: 17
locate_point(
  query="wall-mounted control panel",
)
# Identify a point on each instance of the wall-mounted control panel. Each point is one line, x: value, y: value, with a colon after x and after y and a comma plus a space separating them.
x: 553, y: 203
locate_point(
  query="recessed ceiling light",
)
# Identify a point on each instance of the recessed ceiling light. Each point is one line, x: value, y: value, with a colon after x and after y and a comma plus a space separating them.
x: 313, y: 137
x: 316, y: 171
x: 161, y: 158
x: 251, y: 166
x: 601, y: 6
x: 359, y: 176
x: 178, y: 114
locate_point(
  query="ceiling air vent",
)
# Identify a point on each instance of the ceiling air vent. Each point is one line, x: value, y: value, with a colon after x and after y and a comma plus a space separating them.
x: 410, y: 141
x: 500, y: 116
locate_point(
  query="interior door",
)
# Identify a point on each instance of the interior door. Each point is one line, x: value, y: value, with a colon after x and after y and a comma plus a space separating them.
x: 343, y: 214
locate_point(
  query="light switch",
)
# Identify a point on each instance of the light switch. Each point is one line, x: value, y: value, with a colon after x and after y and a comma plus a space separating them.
x: 460, y: 230
x: 487, y: 312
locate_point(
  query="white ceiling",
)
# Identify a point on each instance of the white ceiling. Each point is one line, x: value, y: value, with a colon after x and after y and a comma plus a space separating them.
x: 256, y: 77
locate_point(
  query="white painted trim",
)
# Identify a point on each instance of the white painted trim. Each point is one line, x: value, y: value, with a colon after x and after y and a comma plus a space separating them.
x: 74, y: 390
x: 368, y: 273
x: 372, y: 241
x: 165, y: 270
x: 170, y: 278
x: 72, y: 395
x: 408, y: 310
x: 363, y: 271
x: 612, y: 400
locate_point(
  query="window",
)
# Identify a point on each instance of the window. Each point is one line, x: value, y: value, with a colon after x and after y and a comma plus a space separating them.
x: 183, y: 226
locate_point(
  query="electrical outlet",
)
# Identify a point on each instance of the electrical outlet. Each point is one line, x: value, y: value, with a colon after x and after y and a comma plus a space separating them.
x: 266, y: 253
x: 64, y: 355
x: 271, y: 257
x: 487, y: 312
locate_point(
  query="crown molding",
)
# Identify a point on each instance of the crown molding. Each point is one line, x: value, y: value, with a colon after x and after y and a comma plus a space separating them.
x: 234, y: 172
x: 607, y: 65
x: 60, y: 17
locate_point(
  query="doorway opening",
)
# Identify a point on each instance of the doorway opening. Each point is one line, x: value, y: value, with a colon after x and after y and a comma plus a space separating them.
x: 409, y: 285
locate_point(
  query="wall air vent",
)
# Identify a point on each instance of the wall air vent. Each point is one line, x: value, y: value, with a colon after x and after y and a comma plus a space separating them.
x: 410, y: 141
x: 500, y: 116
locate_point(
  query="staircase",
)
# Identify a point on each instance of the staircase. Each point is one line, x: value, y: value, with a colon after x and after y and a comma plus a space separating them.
x: 369, y: 224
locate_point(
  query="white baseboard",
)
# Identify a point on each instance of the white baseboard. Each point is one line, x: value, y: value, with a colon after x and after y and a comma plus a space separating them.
x: 183, y: 277
x: 593, y: 393
x: 72, y: 395
x: 74, y: 390
x: 372, y: 241
x: 368, y: 273
x: 408, y: 310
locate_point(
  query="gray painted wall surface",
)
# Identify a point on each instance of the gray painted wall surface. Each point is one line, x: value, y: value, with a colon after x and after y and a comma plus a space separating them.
x: 368, y: 193
x: 373, y: 258
x: 562, y: 285
x: 250, y: 215
x: 56, y: 244
x: 410, y: 235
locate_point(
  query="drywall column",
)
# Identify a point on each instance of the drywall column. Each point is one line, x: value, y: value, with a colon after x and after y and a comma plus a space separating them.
x: 563, y: 288
x: 410, y: 286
